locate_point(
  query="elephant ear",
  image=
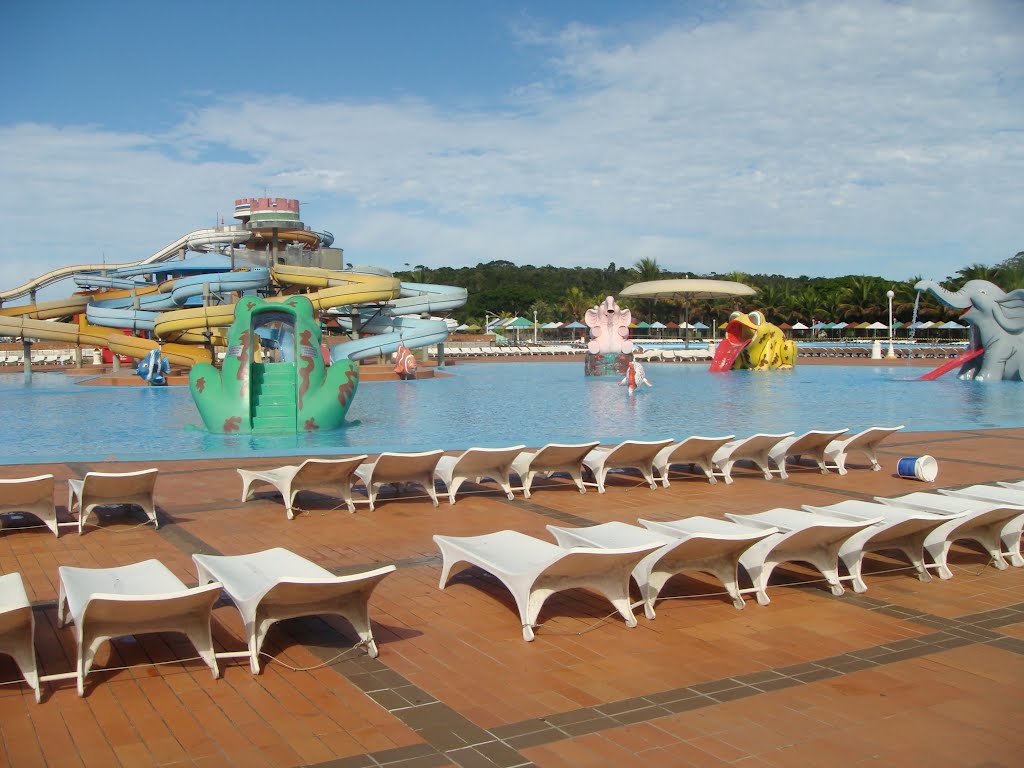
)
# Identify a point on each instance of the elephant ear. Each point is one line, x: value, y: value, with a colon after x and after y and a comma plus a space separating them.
x: 1012, y: 306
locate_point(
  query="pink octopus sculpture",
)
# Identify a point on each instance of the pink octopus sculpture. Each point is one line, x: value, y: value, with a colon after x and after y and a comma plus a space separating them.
x: 609, y: 328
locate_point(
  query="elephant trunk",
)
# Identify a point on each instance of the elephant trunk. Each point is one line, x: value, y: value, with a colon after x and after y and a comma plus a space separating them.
x: 950, y: 299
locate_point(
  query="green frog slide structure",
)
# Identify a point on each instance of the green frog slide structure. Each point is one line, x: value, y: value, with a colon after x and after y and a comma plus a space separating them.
x: 275, y: 377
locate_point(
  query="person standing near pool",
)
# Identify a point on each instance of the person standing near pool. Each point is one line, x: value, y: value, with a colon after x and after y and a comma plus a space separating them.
x: 405, y: 363
x: 635, y: 376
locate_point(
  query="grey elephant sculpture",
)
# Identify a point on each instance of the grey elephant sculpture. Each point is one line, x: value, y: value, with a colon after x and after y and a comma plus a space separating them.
x: 997, y: 327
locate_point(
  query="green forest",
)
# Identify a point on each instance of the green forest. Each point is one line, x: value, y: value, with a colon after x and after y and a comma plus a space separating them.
x: 563, y: 294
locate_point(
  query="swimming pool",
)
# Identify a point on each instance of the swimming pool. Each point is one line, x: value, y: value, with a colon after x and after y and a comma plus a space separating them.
x: 55, y: 419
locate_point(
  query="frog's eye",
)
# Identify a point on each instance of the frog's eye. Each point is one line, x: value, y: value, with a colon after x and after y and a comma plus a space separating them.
x: 734, y: 315
x: 756, y: 318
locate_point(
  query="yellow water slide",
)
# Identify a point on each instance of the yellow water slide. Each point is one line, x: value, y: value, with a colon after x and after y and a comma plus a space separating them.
x: 86, y: 335
x: 187, y: 329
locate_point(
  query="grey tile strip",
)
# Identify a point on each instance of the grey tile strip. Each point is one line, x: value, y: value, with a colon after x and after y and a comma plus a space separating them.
x: 969, y: 630
x: 539, y: 509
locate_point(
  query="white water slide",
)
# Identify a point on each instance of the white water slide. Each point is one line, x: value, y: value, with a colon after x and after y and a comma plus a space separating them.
x: 200, y: 240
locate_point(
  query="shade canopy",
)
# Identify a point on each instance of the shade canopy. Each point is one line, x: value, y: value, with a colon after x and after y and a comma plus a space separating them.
x: 658, y: 325
x: 520, y: 322
x: 692, y: 288
x: 574, y: 324
x: 700, y: 326
x: 877, y: 326
x: 799, y: 327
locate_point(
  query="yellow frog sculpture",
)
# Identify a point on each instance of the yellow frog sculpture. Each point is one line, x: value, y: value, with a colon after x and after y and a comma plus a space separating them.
x: 752, y: 342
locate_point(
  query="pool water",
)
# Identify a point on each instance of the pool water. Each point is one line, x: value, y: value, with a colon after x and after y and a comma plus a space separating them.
x: 55, y: 419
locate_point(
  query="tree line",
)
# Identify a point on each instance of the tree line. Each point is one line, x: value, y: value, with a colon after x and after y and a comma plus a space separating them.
x: 566, y: 293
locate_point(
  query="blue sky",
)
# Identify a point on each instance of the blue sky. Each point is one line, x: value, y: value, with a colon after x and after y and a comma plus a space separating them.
x: 795, y: 138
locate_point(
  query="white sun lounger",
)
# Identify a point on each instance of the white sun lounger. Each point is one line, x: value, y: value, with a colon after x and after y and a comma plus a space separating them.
x: 1008, y: 494
x: 811, y: 444
x: 277, y: 584
x: 109, y: 489
x: 474, y: 465
x: 399, y: 469
x: 307, y: 476
x: 983, y: 523
x: 629, y: 454
x: 693, y: 544
x: 552, y: 459
x: 534, y: 569
x: 902, y: 529
x: 801, y: 537
x: 33, y: 495
x: 17, y: 629
x: 133, y: 599
x: 694, y: 451
x: 754, y: 449
x: 838, y: 451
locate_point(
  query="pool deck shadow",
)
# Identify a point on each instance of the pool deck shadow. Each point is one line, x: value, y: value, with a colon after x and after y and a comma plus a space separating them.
x: 907, y: 673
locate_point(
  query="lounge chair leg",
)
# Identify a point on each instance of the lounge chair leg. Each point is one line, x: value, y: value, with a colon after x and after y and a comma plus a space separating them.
x: 939, y: 552
x: 759, y: 577
x: 854, y: 562
x: 1011, y: 536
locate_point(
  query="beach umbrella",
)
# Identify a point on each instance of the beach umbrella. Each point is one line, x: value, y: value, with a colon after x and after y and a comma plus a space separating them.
x: 574, y: 326
x: 798, y: 326
x: 471, y: 328
x: 686, y: 289
x: 658, y: 326
x: 701, y: 326
x: 517, y: 324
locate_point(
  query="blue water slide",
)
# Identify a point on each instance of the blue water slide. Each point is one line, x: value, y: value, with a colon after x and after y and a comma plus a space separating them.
x: 398, y: 322
x: 122, y: 312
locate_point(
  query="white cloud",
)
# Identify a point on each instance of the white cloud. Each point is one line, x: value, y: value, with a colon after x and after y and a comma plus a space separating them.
x: 808, y: 138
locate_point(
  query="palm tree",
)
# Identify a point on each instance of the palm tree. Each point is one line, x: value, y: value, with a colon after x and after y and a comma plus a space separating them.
x: 973, y: 272
x: 644, y: 271
x: 576, y: 303
x: 807, y: 305
x: 861, y: 298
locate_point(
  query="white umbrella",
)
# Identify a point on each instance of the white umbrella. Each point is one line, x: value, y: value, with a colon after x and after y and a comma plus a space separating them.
x: 686, y: 288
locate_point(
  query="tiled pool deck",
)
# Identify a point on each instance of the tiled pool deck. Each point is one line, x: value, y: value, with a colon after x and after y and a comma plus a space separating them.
x: 906, y: 674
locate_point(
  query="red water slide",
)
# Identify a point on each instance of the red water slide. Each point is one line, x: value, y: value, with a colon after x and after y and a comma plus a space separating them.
x: 728, y: 350
x: 949, y: 365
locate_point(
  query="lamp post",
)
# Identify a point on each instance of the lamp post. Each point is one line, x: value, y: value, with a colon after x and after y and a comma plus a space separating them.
x: 889, y: 295
x: 535, y: 326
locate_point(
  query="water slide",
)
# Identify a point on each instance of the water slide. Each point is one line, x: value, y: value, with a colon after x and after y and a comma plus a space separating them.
x: 949, y: 365
x: 201, y: 239
x: 727, y: 351
x: 157, y: 309
x: 93, y: 336
x: 396, y: 322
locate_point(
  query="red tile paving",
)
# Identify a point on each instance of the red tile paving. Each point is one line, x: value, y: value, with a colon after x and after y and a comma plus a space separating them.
x: 906, y: 674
